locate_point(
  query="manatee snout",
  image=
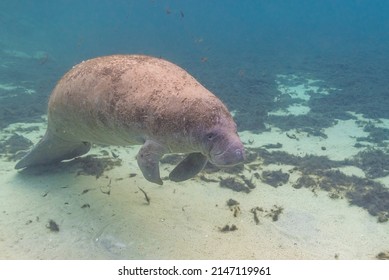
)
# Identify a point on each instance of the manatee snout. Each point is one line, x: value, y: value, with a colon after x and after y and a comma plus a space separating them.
x: 232, y: 154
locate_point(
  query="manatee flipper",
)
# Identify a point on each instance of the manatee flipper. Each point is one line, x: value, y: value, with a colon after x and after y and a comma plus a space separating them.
x: 188, y: 167
x: 148, y: 160
x: 52, y: 149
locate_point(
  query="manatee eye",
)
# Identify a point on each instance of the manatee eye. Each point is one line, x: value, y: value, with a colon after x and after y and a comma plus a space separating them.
x: 211, y: 136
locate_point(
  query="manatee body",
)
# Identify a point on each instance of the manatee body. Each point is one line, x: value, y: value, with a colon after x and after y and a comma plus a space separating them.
x: 137, y: 100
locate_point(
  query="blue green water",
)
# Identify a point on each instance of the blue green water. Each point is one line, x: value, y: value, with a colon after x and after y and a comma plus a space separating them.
x: 235, y: 48
x: 240, y: 50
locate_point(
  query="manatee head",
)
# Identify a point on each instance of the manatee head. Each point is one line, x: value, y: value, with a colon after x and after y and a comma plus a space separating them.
x: 222, y: 145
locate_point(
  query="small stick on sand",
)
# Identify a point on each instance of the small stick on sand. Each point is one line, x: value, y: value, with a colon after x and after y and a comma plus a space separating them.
x: 146, y: 196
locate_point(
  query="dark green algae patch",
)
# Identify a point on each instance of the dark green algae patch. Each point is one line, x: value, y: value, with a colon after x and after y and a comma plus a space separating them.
x: 318, y: 173
x: 321, y: 173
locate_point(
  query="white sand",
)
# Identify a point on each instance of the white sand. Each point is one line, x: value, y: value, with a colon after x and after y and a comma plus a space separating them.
x: 183, y: 220
x: 339, y: 144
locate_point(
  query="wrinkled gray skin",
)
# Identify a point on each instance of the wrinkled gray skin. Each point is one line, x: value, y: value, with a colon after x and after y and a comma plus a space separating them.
x: 137, y: 100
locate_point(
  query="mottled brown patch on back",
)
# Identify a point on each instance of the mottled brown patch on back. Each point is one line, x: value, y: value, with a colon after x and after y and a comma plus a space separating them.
x: 148, y: 95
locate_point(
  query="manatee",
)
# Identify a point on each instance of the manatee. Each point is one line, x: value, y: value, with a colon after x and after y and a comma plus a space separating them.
x: 137, y: 100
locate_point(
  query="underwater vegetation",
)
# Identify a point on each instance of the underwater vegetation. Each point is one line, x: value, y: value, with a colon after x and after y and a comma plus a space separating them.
x: 273, y: 213
x: 305, y: 181
x: 275, y: 178
x: 383, y: 256
x: 311, y: 123
x: 12, y: 145
x: 319, y: 172
x: 374, y: 162
x: 228, y: 228
x: 234, y: 184
x: 53, y: 226
x: 376, y: 134
x: 95, y: 166
x: 233, y: 205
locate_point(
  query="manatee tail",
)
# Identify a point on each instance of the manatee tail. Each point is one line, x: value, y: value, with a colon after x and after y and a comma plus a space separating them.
x: 52, y: 149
